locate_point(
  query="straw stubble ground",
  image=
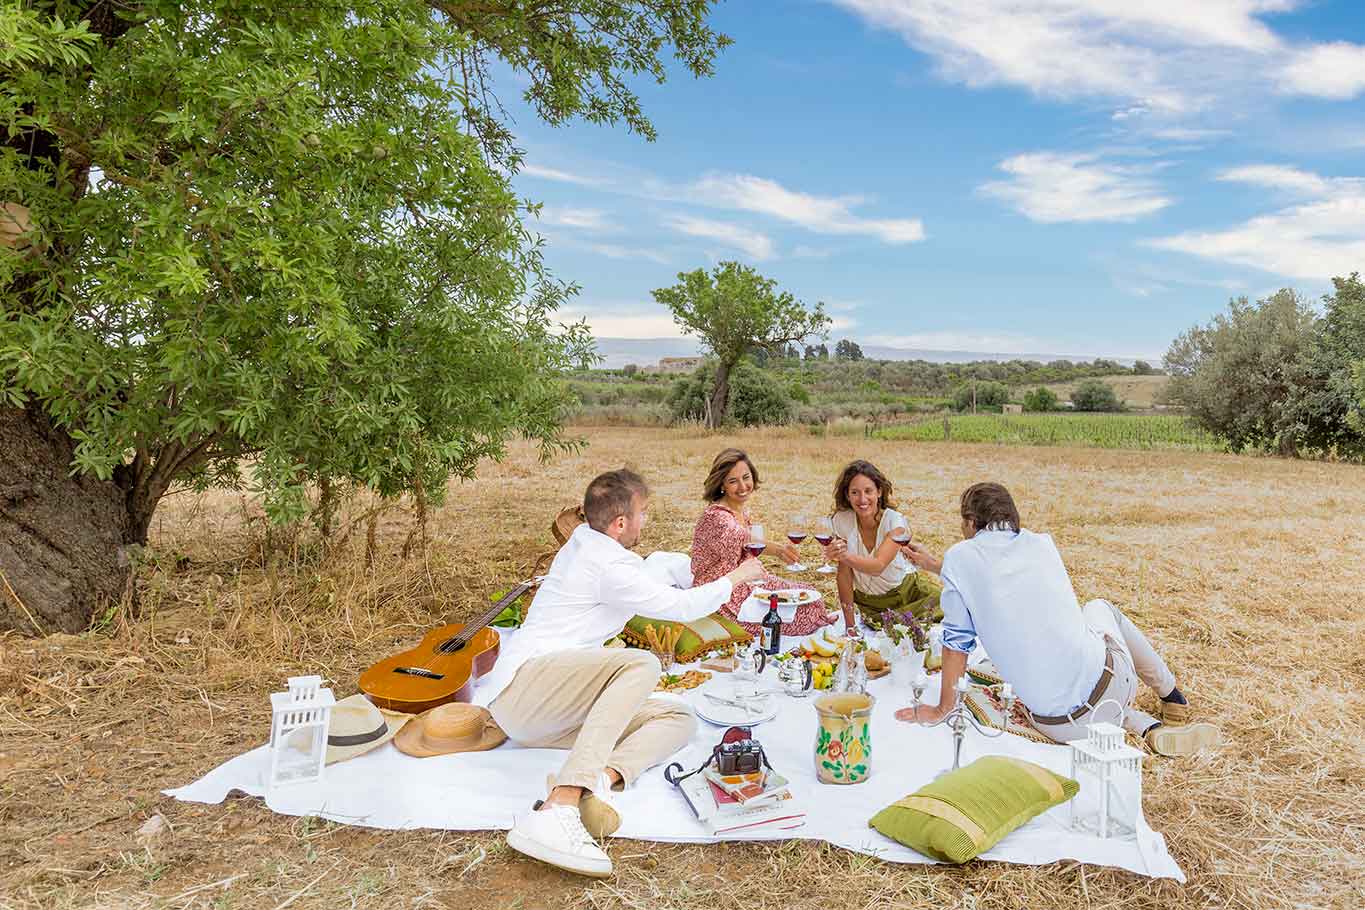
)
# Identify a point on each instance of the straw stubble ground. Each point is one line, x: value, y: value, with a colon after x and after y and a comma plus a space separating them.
x: 1246, y: 572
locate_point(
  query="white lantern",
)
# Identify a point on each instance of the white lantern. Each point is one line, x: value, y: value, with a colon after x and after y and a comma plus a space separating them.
x: 1103, y: 762
x: 298, y: 731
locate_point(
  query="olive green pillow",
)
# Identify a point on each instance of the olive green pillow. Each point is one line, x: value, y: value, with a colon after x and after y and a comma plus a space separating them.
x: 967, y: 811
x: 698, y: 636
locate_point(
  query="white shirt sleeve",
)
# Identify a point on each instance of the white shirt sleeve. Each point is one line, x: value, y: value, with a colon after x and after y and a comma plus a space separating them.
x: 635, y: 592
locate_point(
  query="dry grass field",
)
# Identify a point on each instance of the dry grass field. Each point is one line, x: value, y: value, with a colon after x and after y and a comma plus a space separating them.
x: 1247, y: 572
x: 1139, y: 392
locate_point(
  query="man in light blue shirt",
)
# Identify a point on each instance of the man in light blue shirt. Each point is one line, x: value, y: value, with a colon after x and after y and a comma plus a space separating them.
x: 1071, y: 665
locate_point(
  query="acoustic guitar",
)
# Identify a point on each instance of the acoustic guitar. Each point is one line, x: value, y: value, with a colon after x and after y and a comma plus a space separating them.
x: 444, y: 667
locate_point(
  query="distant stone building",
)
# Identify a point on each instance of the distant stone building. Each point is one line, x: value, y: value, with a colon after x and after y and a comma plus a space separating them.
x: 677, y: 364
x: 1013, y: 409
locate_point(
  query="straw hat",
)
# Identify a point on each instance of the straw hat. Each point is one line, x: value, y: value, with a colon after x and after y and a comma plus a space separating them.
x: 450, y: 728
x: 357, y: 726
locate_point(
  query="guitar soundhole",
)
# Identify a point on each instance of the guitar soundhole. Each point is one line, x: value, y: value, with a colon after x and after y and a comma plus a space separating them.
x: 419, y: 671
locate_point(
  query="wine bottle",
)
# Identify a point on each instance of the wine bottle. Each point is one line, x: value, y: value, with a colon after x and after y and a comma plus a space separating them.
x: 771, y: 634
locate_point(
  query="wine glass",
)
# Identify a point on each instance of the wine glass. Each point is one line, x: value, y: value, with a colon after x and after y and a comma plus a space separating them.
x: 756, y: 543
x: 797, y: 534
x: 900, y: 533
x: 824, y: 533
x: 918, y: 685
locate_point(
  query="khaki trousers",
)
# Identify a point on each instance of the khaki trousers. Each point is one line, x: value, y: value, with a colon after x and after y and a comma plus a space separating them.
x: 595, y: 703
x: 1135, y: 660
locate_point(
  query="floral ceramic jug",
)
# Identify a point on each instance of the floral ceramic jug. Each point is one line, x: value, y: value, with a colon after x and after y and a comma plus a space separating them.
x: 843, y: 738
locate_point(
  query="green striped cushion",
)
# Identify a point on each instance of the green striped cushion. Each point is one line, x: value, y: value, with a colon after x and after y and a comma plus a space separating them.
x: 966, y: 812
x: 698, y: 637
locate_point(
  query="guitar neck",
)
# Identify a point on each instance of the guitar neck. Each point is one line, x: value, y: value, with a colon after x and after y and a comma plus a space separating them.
x: 493, y: 611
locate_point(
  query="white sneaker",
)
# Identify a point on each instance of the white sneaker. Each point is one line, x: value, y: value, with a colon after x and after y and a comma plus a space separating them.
x: 597, y: 810
x: 555, y: 835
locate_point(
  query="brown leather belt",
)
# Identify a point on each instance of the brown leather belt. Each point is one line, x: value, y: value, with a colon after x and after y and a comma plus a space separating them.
x: 1105, y: 675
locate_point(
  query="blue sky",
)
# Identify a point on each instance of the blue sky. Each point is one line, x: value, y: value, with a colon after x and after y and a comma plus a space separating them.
x: 1061, y: 176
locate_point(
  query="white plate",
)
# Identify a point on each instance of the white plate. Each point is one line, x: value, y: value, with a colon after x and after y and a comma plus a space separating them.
x: 755, y: 606
x: 787, y: 596
x: 727, y: 716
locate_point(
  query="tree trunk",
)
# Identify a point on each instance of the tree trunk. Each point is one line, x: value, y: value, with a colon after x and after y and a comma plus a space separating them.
x: 63, y: 539
x: 720, y: 397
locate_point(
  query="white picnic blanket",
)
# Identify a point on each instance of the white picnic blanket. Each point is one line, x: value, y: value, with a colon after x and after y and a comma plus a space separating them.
x: 485, y: 790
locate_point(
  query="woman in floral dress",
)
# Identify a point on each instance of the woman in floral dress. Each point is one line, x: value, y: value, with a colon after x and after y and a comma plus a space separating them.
x: 723, y: 529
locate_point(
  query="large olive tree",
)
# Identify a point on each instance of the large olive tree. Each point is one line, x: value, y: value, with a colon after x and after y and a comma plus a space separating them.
x: 279, y: 235
x: 736, y: 311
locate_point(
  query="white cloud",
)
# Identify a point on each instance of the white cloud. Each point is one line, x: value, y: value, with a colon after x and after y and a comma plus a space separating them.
x: 1158, y: 59
x: 821, y: 214
x: 969, y: 341
x: 1053, y: 187
x: 757, y: 245
x: 1321, y: 236
x: 750, y: 193
x: 1277, y: 176
x: 1187, y: 133
x: 580, y: 218
x: 617, y: 251
x: 1335, y: 70
x: 622, y: 320
x: 1154, y: 54
x: 559, y: 176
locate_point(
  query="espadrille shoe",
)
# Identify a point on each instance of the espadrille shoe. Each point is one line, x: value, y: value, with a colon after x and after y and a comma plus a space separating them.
x: 1173, y: 713
x: 599, y: 815
x: 1185, y: 740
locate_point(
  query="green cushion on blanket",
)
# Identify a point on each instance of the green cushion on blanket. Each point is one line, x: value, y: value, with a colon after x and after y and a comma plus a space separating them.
x: 698, y: 636
x: 968, y: 811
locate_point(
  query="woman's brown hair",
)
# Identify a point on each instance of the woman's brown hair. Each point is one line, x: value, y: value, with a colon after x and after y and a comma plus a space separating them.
x: 714, y: 488
x: 870, y: 471
x: 987, y: 504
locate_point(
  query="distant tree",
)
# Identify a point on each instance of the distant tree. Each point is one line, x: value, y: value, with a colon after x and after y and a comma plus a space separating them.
x: 1142, y: 368
x: 986, y: 396
x: 792, y: 352
x: 1095, y: 395
x: 1323, y: 412
x: 1040, y: 399
x: 847, y: 350
x: 822, y: 352
x: 1238, y: 375
x: 755, y: 400
x: 735, y: 310
x: 630, y: 369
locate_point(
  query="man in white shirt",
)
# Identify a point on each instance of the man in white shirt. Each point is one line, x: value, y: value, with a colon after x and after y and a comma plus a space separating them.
x: 556, y: 686
x: 1071, y: 666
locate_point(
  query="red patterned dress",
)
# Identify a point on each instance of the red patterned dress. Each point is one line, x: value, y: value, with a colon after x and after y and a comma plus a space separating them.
x: 717, y: 549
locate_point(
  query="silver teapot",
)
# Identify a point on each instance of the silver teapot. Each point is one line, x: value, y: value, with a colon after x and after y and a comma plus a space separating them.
x: 796, y: 677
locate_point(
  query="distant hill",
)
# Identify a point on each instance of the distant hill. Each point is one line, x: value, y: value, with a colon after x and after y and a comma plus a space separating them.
x: 617, y: 352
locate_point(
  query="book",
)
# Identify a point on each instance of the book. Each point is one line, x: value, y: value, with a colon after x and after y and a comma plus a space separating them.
x: 780, y: 812
x: 751, y: 788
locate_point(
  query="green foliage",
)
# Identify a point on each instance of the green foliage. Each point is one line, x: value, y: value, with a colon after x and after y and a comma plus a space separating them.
x: 1095, y: 395
x: 1324, y: 410
x: 755, y: 398
x: 298, y: 245
x: 1143, y: 368
x: 1236, y: 376
x: 1040, y: 399
x: 1109, y: 431
x: 985, y: 396
x: 846, y: 351
x: 826, y: 390
x: 736, y: 311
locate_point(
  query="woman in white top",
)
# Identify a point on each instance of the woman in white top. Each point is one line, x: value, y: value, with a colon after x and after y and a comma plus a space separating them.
x: 873, y: 573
